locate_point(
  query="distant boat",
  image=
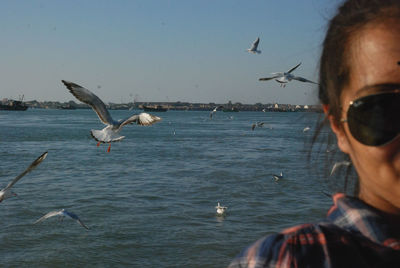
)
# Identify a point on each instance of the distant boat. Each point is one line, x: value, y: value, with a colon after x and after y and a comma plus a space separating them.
x: 232, y: 109
x: 157, y: 108
x: 13, y: 105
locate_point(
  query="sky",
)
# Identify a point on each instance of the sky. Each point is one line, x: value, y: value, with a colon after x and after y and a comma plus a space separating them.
x: 148, y: 50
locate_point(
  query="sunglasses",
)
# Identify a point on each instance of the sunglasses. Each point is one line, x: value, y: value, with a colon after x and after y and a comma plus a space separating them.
x: 374, y: 120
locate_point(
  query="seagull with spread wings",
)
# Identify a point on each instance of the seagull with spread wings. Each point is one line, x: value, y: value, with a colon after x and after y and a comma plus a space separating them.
x: 284, y: 77
x: 254, y: 46
x: 259, y: 124
x: 6, y: 192
x: 111, y: 132
x: 215, y: 110
x: 63, y: 213
x: 277, y: 177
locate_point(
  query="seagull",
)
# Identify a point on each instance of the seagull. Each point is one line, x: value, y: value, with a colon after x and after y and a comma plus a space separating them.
x: 306, y: 129
x: 62, y: 213
x: 286, y: 77
x: 254, y: 46
x: 215, y: 110
x: 339, y: 164
x: 257, y: 124
x: 110, y: 132
x: 277, y: 177
x: 220, y: 210
x: 6, y: 192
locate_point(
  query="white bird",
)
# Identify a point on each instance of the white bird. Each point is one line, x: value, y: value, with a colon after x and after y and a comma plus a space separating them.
x: 339, y: 164
x: 254, y: 46
x: 6, y: 192
x: 306, y: 129
x: 62, y: 213
x: 285, y: 77
x: 110, y: 132
x: 215, y: 110
x: 277, y: 177
x: 220, y: 209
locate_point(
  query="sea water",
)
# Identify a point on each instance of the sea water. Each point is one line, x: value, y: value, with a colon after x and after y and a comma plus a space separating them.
x: 151, y: 201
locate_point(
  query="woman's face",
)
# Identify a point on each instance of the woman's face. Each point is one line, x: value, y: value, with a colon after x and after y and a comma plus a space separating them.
x: 374, y: 56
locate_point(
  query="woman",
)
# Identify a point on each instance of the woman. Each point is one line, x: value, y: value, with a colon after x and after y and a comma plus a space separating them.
x: 360, y: 93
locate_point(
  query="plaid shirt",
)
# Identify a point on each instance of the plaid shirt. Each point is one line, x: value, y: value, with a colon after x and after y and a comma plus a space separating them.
x: 354, y: 235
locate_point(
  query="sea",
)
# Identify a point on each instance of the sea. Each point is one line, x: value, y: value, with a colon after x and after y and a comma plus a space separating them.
x: 150, y: 201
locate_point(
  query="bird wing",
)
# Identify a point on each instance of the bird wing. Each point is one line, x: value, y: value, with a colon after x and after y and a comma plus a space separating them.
x: 50, y: 214
x: 274, y: 75
x: 253, y: 126
x: 86, y: 96
x: 31, y: 167
x: 269, y: 78
x: 294, y: 68
x: 75, y: 217
x: 255, y: 44
x: 301, y: 79
x: 143, y: 119
x: 338, y: 164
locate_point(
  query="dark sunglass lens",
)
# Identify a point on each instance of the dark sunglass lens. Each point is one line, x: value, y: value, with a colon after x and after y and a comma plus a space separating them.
x: 374, y: 119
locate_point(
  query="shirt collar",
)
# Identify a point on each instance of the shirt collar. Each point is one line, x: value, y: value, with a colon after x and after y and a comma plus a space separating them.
x: 355, y: 215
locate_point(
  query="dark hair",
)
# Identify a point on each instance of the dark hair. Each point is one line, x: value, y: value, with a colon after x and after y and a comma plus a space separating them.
x: 335, y: 67
x: 352, y: 16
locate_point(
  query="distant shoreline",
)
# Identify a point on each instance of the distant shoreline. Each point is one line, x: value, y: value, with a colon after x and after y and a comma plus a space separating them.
x: 180, y: 106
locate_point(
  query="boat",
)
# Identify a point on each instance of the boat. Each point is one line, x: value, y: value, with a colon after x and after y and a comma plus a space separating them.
x: 157, y: 108
x: 13, y: 105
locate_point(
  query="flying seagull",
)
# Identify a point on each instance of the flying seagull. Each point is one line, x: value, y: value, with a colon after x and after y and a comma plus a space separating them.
x: 339, y: 164
x: 110, y: 132
x: 277, y: 177
x: 215, y: 110
x: 257, y: 124
x: 254, y: 46
x: 6, y: 192
x: 62, y: 213
x: 220, y: 209
x: 285, y: 77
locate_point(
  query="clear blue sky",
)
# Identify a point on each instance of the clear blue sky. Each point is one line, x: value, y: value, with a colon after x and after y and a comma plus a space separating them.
x: 161, y: 50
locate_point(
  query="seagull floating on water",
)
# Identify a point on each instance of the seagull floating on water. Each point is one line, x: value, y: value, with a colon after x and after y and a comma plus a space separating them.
x: 277, y: 177
x: 254, y: 46
x: 306, y: 129
x: 6, y: 192
x: 338, y: 165
x: 215, y: 110
x: 62, y: 213
x: 220, y: 209
x: 285, y: 77
x: 110, y: 132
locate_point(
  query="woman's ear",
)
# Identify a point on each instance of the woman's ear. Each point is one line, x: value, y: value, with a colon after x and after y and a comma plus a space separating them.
x: 343, y: 142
